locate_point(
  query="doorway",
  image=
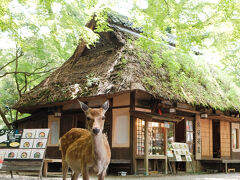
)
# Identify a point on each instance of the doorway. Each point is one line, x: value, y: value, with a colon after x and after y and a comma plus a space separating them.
x: 216, y: 138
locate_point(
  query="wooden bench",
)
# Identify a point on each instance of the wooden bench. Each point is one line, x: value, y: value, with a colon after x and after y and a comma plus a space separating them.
x: 120, y: 161
x: 230, y: 161
x: 45, y: 167
x: 46, y: 161
x: 22, y: 165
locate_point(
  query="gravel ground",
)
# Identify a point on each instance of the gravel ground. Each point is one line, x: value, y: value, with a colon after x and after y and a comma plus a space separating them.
x: 219, y: 176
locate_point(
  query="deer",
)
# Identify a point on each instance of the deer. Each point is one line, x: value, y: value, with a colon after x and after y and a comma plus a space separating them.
x: 86, y: 151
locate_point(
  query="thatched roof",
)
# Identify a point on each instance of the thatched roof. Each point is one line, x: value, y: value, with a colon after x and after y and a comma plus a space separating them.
x: 118, y: 66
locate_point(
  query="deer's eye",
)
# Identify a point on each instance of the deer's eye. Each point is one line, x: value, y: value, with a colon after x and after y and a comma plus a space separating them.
x: 88, y: 119
x: 103, y: 118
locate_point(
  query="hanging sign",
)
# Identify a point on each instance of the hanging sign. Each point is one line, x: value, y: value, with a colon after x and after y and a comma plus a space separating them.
x: 198, y: 149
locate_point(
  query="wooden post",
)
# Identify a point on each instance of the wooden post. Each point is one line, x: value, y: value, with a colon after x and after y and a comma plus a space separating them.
x: 134, y: 164
x: 45, y: 168
x: 165, y: 151
x: 146, y: 147
x: 133, y: 134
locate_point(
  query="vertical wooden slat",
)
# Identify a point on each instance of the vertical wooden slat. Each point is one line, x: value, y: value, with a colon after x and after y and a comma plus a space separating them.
x: 146, y: 146
x: 206, y: 137
x: 225, y: 138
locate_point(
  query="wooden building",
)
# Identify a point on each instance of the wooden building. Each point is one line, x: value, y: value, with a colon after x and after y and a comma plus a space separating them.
x: 115, y: 69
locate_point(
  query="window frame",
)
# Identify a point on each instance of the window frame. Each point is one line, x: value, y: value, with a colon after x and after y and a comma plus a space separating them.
x: 116, y: 113
x: 236, y: 127
x: 190, y: 143
x: 51, y: 119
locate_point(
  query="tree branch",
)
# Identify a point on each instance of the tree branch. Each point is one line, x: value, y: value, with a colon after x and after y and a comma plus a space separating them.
x: 27, y: 73
x: 15, y: 76
x: 18, y: 56
x: 167, y: 6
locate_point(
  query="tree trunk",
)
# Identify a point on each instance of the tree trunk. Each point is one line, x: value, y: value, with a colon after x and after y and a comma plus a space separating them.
x: 2, y: 114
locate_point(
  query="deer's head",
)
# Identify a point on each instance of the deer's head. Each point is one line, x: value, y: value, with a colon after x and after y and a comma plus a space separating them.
x: 95, y: 117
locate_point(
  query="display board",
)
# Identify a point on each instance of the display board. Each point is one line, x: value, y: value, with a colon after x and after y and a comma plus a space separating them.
x: 179, y: 152
x: 31, y: 146
x: 10, y: 138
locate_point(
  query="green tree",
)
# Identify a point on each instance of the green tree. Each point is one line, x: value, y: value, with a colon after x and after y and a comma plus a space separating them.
x: 45, y: 34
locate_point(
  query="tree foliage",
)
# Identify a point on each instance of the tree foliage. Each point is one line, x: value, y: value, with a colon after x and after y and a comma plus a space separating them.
x: 205, y: 26
x: 44, y: 33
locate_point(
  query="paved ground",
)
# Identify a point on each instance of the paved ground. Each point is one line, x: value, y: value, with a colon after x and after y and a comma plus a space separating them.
x: 219, y: 176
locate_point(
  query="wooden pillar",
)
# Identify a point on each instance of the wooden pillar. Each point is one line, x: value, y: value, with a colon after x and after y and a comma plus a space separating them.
x: 133, y: 134
x: 146, y: 147
x: 165, y: 151
x: 45, y: 168
x: 134, y: 163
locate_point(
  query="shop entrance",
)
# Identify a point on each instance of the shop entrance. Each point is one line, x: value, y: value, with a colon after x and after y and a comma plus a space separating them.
x: 216, y: 138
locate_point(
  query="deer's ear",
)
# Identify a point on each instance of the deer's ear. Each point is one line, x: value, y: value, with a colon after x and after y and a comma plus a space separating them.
x: 105, y: 106
x: 83, y: 106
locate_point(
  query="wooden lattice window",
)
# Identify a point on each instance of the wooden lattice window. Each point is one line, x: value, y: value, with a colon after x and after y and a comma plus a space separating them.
x: 189, y: 135
x: 156, y: 137
x: 235, y: 138
x: 140, y: 136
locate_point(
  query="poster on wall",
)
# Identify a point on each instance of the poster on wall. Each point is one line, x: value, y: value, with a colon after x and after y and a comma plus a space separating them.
x: 10, y: 138
x: 42, y: 133
x: 11, y: 153
x: 39, y: 143
x: 24, y: 153
x: 26, y: 143
x: 37, y: 153
x: 29, y: 133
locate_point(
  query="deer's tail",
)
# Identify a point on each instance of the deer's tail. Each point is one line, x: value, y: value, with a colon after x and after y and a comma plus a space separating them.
x: 60, y: 146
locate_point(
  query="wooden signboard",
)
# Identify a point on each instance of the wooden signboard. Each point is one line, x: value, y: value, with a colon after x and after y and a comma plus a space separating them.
x: 31, y: 147
x: 198, y: 145
x: 179, y: 152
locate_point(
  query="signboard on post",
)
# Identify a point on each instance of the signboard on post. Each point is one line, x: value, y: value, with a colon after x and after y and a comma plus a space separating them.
x: 180, y: 152
x: 31, y: 144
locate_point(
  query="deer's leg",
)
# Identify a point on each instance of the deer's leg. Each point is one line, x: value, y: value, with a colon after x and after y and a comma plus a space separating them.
x: 85, y: 174
x: 101, y: 175
x: 75, y: 176
x: 64, y: 169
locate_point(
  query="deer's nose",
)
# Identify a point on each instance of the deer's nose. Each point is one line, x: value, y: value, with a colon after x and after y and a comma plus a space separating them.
x: 96, y: 131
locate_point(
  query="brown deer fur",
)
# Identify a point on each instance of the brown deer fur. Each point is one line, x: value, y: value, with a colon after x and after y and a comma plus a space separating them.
x: 86, y: 151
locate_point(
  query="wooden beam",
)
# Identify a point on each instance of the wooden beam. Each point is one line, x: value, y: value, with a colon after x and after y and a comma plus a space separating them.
x: 30, y: 109
x: 145, y: 115
x: 146, y: 147
x: 223, y: 117
x: 187, y: 110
